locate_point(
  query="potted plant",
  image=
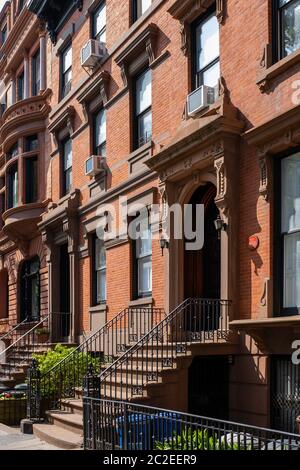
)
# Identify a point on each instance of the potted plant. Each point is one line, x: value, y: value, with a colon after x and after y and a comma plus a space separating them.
x: 42, y: 335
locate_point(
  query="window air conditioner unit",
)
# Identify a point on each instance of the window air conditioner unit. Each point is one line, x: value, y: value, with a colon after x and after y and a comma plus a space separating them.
x: 200, y: 99
x: 95, y: 165
x: 92, y: 53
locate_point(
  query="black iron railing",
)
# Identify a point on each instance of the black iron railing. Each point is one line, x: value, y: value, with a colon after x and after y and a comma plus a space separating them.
x: 30, y: 336
x: 194, y: 321
x: 64, y: 380
x: 117, y: 425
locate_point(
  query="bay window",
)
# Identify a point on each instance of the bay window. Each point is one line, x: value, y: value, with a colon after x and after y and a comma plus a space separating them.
x: 31, y: 179
x: 143, y: 111
x: 207, y: 52
x: 99, y: 272
x: 286, y: 27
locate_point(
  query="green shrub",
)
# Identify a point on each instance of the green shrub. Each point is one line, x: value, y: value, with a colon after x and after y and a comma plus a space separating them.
x: 194, y: 440
x: 63, y: 379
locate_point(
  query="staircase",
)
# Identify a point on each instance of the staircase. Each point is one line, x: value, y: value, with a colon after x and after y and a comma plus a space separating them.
x: 147, y: 368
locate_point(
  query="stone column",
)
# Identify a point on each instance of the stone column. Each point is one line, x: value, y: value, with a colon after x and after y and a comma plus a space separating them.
x: 43, y: 58
x: 26, y: 75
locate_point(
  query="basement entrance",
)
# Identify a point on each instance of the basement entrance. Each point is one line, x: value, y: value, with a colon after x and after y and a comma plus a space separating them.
x: 208, y: 383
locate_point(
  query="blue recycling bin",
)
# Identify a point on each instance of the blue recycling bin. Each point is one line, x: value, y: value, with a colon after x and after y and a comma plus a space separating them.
x: 144, y: 430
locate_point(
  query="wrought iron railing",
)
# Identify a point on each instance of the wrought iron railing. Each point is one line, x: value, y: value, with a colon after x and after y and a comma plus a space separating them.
x: 101, y: 349
x: 30, y: 336
x: 194, y: 321
x: 117, y: 425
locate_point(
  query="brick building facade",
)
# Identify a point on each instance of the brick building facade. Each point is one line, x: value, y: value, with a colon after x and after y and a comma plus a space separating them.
x: 131, y: 109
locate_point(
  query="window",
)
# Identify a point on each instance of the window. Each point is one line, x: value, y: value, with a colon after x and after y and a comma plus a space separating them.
x: 67, y: 165
x: 142, y: 268
x: 66, y: 71
x: 99, y: 23
x: 13, y: 186
x: 143, y: 112
x: 30, y: 290
x: 207, y: 52
x: 3, y: 34
x: 31, y: 179
x: 20, y: 87
x: 99, y: 133
x: 290, y: 233
x: 99, y: 281
x: 139, y: 8
x: 13, y: 151
x: 31, y: 143
x: 287, y: 23
x: 36, y: 74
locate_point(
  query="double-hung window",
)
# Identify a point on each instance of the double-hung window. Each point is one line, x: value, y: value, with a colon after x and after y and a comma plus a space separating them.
x: 99, y: 271
x: 207, y: 52
x: 139, y: 7
x: 36, y: 74
x: 66, y: 166
x: 142, y: 268
x: 21, y: 86
x: 13, y: 186
x: 99, y: 23
x: 99, y: 133
x: 287, y: 27
x: 66, y: 71
x: 143, y: 111
x: 290, y: 233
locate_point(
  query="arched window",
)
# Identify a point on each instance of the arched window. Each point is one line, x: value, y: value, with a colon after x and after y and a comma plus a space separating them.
x: 3, y: 294
x: 30, y: 290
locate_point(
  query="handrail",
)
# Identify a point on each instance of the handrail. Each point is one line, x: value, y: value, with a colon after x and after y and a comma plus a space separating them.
x: 62, y: 380
x: 194, y: 320
x: 8, y: 333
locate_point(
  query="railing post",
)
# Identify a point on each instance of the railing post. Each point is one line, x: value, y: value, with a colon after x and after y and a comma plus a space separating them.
x: 125, y: 431
x: 33, y: 392
x: 91, y: 389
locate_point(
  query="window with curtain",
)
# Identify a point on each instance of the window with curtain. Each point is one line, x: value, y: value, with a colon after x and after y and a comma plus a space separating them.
x: 99, y: 133
x: 30, y: 290
x: 290, y: 231
x: 142, y: 255
x: 67, y: 166
x: 99, y: 23
x: 143, y: 111
x: 66, y: 71
x: 99, y: 272
x: 287, y: 27
x: 207, y: 52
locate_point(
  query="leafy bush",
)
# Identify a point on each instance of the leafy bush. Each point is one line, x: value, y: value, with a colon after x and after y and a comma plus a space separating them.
x: 66, y: 376
x: 195, y: 440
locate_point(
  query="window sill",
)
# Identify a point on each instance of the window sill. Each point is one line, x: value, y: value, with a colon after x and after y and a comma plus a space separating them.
x: 98, y: 308
x: 270, y: 73
x: 143, y: 302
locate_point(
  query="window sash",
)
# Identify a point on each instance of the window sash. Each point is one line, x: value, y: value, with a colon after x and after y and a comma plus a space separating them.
x: 99, y: 131
x: 21, y: 86
x: 140, y: 7
x: 282, y: 7
x: 143, y: 108
x: 66, y: 71
x: 207, y: 55
x: 99, y: 271
x: 31, y: 180
x: 99, y: 23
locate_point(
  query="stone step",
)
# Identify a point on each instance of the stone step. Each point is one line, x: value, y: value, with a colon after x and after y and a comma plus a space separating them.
x: 73, y: 406
x: 57, y: 436
x: 70, y: 421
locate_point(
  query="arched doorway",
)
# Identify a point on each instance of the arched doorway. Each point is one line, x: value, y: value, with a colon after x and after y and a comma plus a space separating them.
x: 202, y: 268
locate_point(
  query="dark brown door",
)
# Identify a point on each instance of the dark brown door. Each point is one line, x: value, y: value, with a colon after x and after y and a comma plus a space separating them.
x: 64, y: 321
x: 202, y: 268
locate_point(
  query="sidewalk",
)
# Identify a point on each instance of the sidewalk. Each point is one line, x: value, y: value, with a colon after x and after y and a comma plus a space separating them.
x: 12, y: 439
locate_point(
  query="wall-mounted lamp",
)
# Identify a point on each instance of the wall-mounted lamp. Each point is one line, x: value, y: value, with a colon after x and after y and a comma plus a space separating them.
x: 163, y: 244
x: 220, y: 225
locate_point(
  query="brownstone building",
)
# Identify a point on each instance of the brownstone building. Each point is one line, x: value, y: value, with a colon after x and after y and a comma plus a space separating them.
x: 163, y: 102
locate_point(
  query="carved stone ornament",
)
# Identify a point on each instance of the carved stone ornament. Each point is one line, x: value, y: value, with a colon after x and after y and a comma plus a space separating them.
x: 264, y: 177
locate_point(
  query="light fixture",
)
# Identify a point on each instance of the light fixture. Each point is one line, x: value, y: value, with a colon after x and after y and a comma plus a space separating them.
x: 220, y: 225
x: 163, y: 244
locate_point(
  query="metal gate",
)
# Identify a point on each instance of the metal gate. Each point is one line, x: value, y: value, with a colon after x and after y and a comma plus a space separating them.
x: 285, y: 393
